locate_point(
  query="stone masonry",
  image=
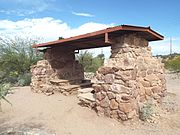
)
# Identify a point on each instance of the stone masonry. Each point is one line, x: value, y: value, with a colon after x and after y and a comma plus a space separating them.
x: 58, y: 69
x: 41, y: 75
x: 130, y: 77
x: 64, y: 64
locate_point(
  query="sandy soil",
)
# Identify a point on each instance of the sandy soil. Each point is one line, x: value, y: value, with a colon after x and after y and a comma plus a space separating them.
x: 62, y: 115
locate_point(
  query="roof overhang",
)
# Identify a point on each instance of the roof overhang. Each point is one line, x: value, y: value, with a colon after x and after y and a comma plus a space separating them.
x: 101, y: 38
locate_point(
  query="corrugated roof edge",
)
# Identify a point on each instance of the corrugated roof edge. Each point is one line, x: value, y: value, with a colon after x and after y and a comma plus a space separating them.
x: 107, y: 30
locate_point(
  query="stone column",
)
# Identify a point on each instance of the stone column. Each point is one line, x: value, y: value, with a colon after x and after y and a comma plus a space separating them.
x: 59, y: 64
x: 64, y: 64
x: 130, y: 77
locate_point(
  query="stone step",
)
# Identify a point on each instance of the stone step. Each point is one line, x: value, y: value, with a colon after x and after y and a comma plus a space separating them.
x: 70, y: 87
x: 59, y: 82
x: 63, y: 82
x: 85, y: 90
x: 75, y: 87
x: 87, y: 97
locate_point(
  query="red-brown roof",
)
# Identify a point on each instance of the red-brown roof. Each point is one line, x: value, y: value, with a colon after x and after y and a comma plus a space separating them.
x: 98, y: 38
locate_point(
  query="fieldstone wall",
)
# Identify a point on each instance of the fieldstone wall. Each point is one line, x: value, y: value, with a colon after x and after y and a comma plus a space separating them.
x: 58, y: 67
x: 130, y: 78
x: 42, y: 73
x: 64, y: 64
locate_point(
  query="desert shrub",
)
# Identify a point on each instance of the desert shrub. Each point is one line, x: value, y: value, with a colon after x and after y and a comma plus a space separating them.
x: 90, y: 63
x: 16, y: 57
x: 24, y: 80
x: 146, y: 111
x: 173, y: 63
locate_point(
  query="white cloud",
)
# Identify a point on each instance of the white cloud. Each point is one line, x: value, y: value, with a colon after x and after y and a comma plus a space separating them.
x: 26, y: 7
x: 83, y: 14
x: 21, y: 12
x: 48, y: 28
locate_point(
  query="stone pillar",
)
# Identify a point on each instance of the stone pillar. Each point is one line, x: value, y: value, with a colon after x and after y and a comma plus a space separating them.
x: 59, y: 64
x: 130, y: 77
x: 64, y: 64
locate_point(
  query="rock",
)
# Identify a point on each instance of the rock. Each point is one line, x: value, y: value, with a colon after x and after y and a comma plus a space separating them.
x: 114, y: 114
x: 125, y: 50
x: 109, y: 78
x: 131, y: 84
x: 142, y: 74
x: 122, y: 115
x: 123, y: 98
x: 116, y: 69
x: 145, y: 83
x: 100, y: 110
x: 149, y: 71
x: 156, y: 96
x: 151, y: 78
x: 107, y: 112
x: 134, y: 74
x: 119, y: 81
x: 87, y: 96
x: 156, y: 89
x: 117, y: 88
x: 148, y: 91
x: 141, y: 89
x: 105, y: 102
x: 113, y: 104
x: 124, y: 89
x: 85, y: 90
x: 100, y: 77
x: 100, y: 96
x: 98, y: 88
x: 110, y: 95
x: 106, y: 87
x: 105, y: 70
x: 131, y: 114
x: 128, y: 63
x: 125, y: 107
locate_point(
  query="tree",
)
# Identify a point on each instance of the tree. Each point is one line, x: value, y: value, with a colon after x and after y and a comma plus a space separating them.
x: 173, y: 63
x: 90, y: 63
x: 16, y: 57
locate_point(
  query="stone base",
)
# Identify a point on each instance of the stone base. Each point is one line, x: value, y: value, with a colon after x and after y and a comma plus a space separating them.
x: 130, y: 78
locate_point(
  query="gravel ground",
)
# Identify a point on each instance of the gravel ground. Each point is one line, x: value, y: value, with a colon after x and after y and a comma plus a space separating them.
x: 57, y: 114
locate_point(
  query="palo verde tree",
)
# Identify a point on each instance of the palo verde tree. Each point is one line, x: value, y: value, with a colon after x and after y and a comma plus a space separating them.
x: 90, y: 63
x: 16, y: 57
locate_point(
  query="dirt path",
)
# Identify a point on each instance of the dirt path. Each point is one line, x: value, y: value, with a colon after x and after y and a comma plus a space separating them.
x: 62, y: 115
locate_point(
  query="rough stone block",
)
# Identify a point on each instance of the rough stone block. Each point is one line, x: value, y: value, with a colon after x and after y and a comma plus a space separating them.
x: 113, y: 104
x: 105, y: 70
x: 109, y: 78
x: 105, y: 102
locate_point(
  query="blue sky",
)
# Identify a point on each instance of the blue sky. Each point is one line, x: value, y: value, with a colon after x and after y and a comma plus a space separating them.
x: 53, y: 18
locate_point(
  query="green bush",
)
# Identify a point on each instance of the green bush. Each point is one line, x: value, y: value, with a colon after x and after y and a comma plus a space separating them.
x: 90, y: 63
x: 24, y: 80
x: 173, y: 63
x: 146, y: 111
x: 16, y: 57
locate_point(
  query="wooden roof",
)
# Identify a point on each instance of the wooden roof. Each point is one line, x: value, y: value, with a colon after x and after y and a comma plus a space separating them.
x: 101, y: 38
